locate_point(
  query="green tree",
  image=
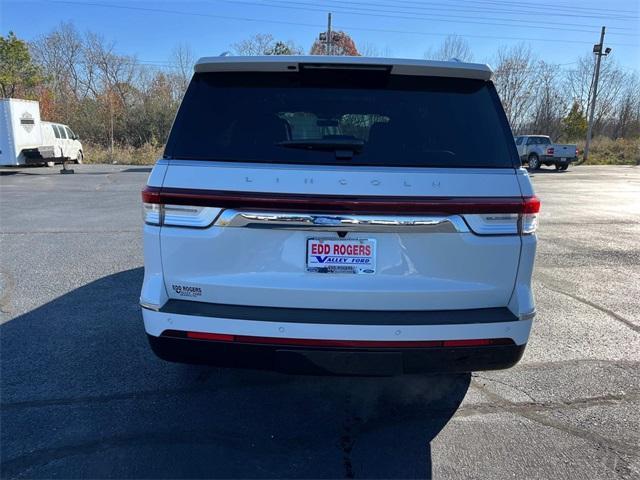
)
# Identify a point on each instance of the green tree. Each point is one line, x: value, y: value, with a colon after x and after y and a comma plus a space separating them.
x: 18, y: 73
x: 575, y: 123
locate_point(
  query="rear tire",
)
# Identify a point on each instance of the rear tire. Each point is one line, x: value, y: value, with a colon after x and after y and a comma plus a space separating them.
x: 563, y: 168
x: 534, y: 162
x: 79, y: 158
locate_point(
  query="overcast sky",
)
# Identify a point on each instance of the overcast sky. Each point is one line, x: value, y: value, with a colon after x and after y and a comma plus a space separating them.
x: 558, y: 32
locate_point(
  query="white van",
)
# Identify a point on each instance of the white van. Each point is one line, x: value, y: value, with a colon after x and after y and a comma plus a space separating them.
x: 25, y: 139
x: 64, y: 141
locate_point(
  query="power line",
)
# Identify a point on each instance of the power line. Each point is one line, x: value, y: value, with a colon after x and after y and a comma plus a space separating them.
x: 493, y: 37
x: 531, y: 7
x: 546, y: 5
x: 182, y: 12
x: 473, y: 8
x: 316, y: 26
x: 310, y: 7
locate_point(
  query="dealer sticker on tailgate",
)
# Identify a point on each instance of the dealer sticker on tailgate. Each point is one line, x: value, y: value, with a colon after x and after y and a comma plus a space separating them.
x: 341, y: 256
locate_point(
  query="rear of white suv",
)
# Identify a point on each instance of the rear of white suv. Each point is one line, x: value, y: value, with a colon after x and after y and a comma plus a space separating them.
x: 344, y: 215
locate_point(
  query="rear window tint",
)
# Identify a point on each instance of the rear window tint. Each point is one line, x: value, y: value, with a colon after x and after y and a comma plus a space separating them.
x: 393, y: 120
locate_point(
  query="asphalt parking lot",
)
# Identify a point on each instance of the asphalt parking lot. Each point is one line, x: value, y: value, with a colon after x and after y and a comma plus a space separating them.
x: 83, y: 396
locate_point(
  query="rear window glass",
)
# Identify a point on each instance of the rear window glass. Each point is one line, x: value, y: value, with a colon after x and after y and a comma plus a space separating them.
x: 342, y: 117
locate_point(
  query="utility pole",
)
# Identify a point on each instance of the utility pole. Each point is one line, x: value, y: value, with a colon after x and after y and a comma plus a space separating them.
x: 328, y: 49
x: 111, y: 122
x: 597, y: 49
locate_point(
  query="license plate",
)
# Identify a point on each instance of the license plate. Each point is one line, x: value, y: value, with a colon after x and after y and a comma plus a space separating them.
x: 341, y: 256
x: 563, y: 159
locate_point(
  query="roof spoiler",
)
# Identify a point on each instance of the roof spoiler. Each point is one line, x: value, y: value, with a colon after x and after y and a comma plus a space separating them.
x: 292, y: 63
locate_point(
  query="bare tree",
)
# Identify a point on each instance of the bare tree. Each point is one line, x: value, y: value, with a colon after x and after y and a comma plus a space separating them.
x: 265, y: 44
x: 80, y: 67
x: 111, y: 99
x: 515, y: 82
x: 182, y: 59
x: 61, y: 54
x: 108, y: 98
x: 113, y: 72
x: 549, y: 104
x: 626, y: 121
x: 579, y: 82
x: 113, y: 76
x: 254, y: 45
x: 369, y: 49
x: 451, y: 47
x: 611, y: 85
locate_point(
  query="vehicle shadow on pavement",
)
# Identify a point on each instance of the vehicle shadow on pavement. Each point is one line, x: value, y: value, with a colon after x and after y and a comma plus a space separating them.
x: 83, y: 396
x: 543, y: 171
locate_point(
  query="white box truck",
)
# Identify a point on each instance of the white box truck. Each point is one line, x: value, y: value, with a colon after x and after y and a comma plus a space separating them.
x: 20, y: 129
x: 26, y: 139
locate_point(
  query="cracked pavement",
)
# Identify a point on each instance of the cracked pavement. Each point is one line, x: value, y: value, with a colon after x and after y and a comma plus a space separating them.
x: 83, y: 396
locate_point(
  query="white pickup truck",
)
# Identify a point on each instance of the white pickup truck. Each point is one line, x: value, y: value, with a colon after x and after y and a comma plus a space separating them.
x: 538, y: 150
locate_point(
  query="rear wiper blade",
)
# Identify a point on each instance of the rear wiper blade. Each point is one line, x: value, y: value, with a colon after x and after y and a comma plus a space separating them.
x: 336, y: 144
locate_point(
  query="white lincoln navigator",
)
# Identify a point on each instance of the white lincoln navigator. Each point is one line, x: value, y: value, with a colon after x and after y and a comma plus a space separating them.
x: 339, y: 215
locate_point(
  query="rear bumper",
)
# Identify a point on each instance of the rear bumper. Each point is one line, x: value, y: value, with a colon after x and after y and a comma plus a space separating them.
x: 558, y: 160
x: 337, y: 341
x: 330, y: 361
x: 39, y: 154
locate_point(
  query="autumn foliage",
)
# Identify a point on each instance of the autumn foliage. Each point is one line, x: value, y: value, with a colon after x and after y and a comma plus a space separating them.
x: 341, y: 44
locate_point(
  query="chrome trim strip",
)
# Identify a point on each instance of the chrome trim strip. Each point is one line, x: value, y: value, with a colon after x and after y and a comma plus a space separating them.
x: 150, y: 306
x: 528, y: 316
x: 337, y: 222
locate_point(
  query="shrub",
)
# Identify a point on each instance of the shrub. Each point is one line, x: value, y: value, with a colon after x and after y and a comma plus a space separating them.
x: 605, y: 151
x: 147, y: 154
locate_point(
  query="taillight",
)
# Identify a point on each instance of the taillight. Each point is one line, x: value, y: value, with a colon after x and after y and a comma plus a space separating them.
x: 550, y: 151
x: 309, y: 203
x: 199, y: 209
x: 522, y: 219
x: 156, y: 213
x: 529, y: 215
x: 152, y: 213
x: 577, y: 151
x: 493, y: 223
